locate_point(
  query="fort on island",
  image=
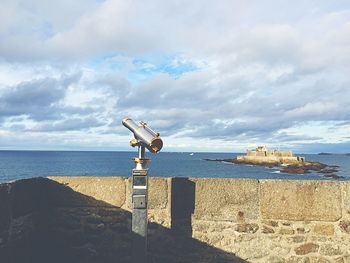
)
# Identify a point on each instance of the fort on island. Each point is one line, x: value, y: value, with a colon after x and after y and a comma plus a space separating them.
x: 263, y: 155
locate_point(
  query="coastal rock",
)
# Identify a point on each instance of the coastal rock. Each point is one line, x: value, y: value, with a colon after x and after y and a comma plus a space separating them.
x: 294, y: 170
x: 334, y: 176
x: 290, y: 167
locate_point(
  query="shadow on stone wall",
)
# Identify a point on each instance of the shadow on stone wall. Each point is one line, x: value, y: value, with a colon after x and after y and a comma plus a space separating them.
x: 182, y: 205
x: 44, y: 221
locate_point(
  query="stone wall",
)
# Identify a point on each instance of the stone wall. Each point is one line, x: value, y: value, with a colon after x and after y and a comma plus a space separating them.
x: 191, y: 220
x: 274, y: 220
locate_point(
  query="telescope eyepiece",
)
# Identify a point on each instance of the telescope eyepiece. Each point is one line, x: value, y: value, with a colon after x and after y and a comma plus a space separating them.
x: 144, y: 135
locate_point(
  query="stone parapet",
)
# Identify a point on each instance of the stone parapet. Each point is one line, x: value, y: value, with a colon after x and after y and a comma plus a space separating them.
x: 300, y: 200
x: 191, y: 220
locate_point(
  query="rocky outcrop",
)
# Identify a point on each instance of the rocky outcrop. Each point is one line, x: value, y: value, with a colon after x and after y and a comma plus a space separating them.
x: 304, y: 167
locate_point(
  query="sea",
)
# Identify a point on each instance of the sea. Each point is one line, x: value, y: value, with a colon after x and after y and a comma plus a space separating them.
x: 15, y: 165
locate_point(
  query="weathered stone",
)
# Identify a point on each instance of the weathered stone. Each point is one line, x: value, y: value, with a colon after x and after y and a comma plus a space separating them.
x: 94, y: 228
x: 226, y: 199
x: 306, y: 249
x: 280, y: 249
x: 267, y: 230
x: 297, y: 239
x: 318, y: 239
x: 252, y: 249
x: 158, y: 193
x: 300, y: 200
x: 294, y: 259
x: 319, y: 260
x: 21, y: 228
x: 104, y: 229
x: 330, y: 250
x: 302, y: 230
x: 215, y: 239
x: 247, y: 228
x: 324, y: 229
x: 94, y: 218
x: 29, y: 195
x: 244, y: 238
x: 107, y: 189
x: 345, y: 226
x: 270, y: 223
x: 275, y: 259
x: 286, y: 231
x: 219, y: 226
x: 339, y: 260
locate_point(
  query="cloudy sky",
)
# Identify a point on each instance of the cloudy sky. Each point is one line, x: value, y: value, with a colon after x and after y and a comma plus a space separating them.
x: 209, y: 75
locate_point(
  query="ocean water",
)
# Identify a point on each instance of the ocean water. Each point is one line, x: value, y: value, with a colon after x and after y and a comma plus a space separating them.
x: 16, y: 165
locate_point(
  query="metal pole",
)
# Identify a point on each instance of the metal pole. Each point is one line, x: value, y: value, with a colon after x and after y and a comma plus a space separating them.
x: 139, y: 205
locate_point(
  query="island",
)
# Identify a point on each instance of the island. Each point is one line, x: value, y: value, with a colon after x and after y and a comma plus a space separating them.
x: 285, y: 160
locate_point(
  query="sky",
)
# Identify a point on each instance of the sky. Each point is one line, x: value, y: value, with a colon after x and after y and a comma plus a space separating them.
x: 218, y: 76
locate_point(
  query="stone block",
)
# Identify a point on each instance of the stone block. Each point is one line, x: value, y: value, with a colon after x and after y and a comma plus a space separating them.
x: 331, y: 250
x: 319, y: 260
x: 306, y: 249
x: 294, y: 259
x: 286, y: 231
x: 345, y: 226
x: 296, y: 239
x: 324, y: 229
x: 110, y: 190
x: 300, y: 200
x: 246, y: 228
x: 226, y: 199
x: 267, y: 230
x: 158, y: 193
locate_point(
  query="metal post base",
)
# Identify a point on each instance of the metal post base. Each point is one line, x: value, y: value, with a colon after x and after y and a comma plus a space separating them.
x: 139, y: 205
x: 139, y: 239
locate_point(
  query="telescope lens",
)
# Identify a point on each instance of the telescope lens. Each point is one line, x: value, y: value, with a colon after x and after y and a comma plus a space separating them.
x: 156, y: 145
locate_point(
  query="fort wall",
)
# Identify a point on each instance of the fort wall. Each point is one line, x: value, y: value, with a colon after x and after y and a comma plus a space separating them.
x: 234, y: 220
x: 263, y: 155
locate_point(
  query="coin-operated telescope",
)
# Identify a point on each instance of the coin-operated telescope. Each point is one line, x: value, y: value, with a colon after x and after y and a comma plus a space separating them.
x: 144, y: 137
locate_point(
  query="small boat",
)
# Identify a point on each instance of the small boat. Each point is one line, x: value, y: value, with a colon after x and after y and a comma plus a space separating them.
x: 191, y: 154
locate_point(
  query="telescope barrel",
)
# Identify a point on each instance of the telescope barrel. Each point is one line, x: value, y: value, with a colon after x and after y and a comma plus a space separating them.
x: 145, y: 135
x: 130, y: 124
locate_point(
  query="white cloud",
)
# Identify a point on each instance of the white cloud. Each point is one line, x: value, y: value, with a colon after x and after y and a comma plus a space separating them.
x: 243, y: 72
